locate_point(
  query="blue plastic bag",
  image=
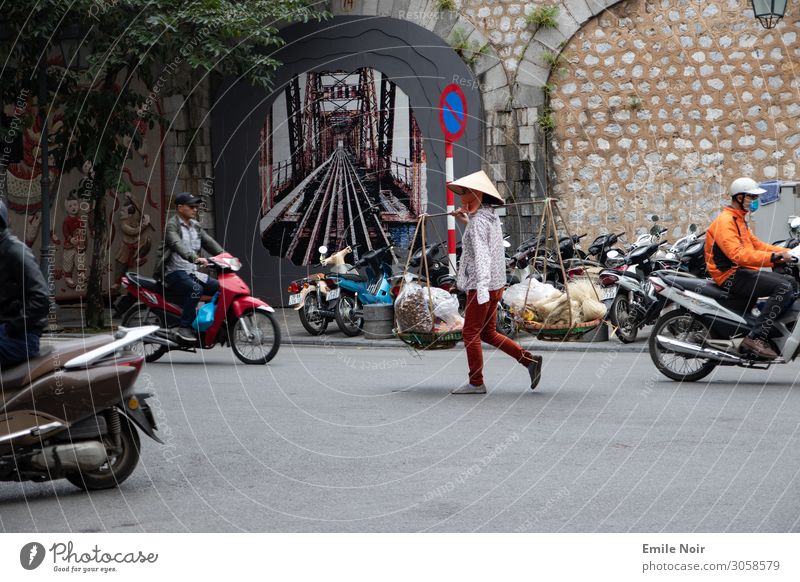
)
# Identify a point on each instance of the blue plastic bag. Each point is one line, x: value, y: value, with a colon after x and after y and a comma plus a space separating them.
x: 205, y: 315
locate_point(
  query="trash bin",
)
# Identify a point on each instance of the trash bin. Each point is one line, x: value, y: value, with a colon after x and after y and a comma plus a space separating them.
x: 378, y: 321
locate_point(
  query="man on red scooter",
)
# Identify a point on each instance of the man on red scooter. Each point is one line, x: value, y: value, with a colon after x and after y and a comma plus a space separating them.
x: 735, y: 256
x: 179, y: 260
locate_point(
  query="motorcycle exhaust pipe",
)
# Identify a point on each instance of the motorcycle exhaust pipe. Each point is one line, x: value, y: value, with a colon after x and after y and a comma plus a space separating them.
x: 87, y: 456
x: 159, y: 339
x: 687, y: 349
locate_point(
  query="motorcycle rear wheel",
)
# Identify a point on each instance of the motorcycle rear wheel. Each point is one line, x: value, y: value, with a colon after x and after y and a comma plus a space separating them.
x: 312, y: 321
x: 138, y: 315
x: 681, y: 325
x: 625, y: 326
x: 118, y: 468
x: 346, y: 319
x: 252, y: 348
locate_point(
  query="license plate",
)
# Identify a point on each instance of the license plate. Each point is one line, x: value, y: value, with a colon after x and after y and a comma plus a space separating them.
x: 295, y: 299
x: 608, y: 293
x: 332, y: 294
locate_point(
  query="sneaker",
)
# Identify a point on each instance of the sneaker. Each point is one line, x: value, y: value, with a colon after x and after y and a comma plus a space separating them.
x: 758, y: 348
x: 535, y: 371
x: 470, y: 389
x: 186, y: 334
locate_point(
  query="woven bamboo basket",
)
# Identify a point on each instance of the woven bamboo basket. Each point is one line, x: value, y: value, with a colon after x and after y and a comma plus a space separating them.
x: 430, y: 341
x: 561, y: 331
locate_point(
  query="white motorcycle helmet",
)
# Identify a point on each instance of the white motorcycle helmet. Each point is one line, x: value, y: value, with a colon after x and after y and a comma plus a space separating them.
x: 745, y: 186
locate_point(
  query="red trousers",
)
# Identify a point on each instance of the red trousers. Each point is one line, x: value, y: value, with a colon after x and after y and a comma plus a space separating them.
x: 480, y: 324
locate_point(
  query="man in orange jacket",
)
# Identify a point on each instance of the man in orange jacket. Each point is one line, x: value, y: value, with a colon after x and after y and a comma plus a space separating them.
x: 735, y: 256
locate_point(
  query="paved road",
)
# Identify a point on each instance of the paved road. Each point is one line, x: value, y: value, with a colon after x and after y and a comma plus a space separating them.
x: 345, y: 439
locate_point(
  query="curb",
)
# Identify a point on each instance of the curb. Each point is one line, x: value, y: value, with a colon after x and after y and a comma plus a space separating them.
x: 533, y: 345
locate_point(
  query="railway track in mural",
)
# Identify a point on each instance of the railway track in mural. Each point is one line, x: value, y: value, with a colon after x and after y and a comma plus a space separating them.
x: 334, y: 207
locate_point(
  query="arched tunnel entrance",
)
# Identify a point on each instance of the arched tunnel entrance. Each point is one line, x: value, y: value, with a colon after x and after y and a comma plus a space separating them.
x: 345, y: 148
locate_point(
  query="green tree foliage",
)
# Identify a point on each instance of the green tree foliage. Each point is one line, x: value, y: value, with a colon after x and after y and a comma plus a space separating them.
x: 128, y: 41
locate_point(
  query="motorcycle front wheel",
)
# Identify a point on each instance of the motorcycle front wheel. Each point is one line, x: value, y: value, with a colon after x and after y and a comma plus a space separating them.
x: 137, y: 316
x: 682, y: 326
x: 310, y: 317
x: 119, y: 465
x: 255, y: 337
x: 505, y: 322
x: 347, y: 318
x: 625, y: 327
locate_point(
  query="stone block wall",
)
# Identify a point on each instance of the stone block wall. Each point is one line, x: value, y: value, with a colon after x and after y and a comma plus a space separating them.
x: 659, y: 105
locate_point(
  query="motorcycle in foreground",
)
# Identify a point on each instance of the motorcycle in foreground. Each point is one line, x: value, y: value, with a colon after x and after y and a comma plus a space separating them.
x: 706, y: 327
x: 241, y: 320
x: 73, y: 412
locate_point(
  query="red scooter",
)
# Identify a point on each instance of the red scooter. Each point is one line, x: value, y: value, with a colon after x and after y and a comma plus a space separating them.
x: 243, y: 321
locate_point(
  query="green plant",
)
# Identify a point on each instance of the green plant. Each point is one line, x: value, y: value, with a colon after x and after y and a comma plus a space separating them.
x: 548, y: 89
x: 546, y: 120
x: 550, y: 58
x: 444, y: 5
x: 634, y: 103
x: 469, y: 51
x: 544, y: 17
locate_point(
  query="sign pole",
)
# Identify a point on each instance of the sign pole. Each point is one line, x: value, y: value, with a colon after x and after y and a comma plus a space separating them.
x: 453, y: 119
x: 451, y: 206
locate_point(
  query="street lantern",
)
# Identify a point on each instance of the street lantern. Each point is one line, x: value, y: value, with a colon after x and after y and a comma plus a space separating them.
x: 73, y: 50
x: 769, y: 12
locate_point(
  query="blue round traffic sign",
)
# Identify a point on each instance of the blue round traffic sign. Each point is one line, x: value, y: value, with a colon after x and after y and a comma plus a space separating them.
x: 453, y: 112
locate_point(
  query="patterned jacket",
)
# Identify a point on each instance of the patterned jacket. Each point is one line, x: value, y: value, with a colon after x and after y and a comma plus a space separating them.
x: 483, y: 263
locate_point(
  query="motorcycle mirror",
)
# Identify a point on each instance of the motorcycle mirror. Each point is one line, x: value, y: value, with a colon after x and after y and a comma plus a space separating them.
x: 506, y: 244
x: 693, y: 228
x: 654, y: 218
x: 323, y: 249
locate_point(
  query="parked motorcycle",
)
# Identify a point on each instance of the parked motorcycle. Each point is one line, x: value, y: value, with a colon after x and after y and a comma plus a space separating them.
x: 73, y: 412
x: 241, y: 320
x: 706, y: 327
x: 315, y: 297
x: 634, y: 304
x: 604, y: 245
x: 357, y: 290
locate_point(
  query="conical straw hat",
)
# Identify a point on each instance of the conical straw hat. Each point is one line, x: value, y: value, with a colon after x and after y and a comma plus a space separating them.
x: 478, y: 181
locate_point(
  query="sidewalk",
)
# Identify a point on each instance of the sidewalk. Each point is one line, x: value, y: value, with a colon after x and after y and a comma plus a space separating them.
x: 293, y: 333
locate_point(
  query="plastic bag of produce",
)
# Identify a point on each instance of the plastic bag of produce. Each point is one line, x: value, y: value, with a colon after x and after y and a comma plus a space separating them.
x: 411, y: 310
x: 445, y: 308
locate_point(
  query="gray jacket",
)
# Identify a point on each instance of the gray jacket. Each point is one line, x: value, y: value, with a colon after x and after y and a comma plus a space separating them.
x: 173, y: 243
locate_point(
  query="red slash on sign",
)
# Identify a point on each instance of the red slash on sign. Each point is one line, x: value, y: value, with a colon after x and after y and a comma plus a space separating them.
x: 453, y: 112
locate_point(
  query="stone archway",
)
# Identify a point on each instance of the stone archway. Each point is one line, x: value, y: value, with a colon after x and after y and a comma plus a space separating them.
x: 416, y: 60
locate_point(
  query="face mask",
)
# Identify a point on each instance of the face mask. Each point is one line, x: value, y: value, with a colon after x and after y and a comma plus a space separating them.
x: 754, y: 205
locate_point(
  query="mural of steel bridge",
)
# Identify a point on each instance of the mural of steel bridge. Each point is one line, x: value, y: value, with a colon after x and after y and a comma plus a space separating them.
x: 344, y: 167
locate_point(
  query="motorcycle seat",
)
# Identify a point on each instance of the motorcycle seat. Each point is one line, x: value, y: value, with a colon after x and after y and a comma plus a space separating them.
x: 145, y: 282
x: 316, y: 277
x: 353, y: 277
x: 630, y: 274
x: 707, y: 288
x: 51, y: 357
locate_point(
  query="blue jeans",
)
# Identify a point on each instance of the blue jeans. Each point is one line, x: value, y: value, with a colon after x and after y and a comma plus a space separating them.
x: 14, y: 350
x: 187, y: 285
